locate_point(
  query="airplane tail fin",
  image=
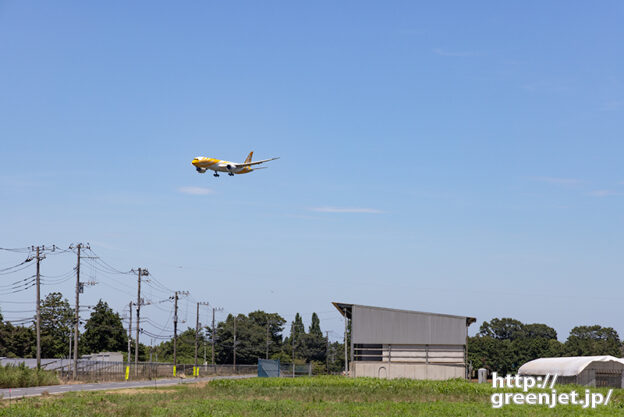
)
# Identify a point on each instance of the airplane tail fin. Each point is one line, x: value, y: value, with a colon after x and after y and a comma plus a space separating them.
x: 249, y: 157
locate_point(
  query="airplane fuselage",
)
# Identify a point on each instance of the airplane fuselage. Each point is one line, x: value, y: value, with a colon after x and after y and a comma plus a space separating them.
x: 202, y: 164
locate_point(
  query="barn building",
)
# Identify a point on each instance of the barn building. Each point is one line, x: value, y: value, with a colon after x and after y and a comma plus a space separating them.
x: 390, y: 343
x: 591, y: 371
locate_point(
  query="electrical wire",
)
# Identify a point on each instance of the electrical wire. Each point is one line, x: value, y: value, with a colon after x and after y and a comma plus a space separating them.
x: 104, y: 264
x: 55, y: 282
x: 155, y: 336
x: 17, y: 250
x: 17, y: 283
x: 18, y: 268
x: 17, y: 311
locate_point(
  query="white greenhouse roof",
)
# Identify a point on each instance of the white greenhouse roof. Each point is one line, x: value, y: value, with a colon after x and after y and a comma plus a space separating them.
x: 570, y: 366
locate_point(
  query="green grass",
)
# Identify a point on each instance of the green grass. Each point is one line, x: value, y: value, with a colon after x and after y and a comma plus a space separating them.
x: 314, y: 396
x: 12, y: 376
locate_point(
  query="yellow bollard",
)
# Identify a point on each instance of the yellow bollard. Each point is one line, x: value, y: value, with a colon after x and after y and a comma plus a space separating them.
x: 174, y: 369
x: 127, y: 372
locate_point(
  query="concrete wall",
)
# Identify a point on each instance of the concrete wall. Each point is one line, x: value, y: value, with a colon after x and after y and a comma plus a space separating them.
x: 406, y: 370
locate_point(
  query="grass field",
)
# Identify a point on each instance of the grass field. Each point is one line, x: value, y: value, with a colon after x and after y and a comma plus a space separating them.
x: 313, y: 396
x: 12, y: 376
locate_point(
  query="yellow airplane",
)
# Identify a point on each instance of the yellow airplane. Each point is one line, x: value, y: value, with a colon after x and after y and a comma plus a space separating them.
x: 203, y: 164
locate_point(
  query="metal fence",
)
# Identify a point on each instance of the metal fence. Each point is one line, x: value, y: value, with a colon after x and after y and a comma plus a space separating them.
x: 291, y: 371
x: 273, y: 368
x: 95, y: 371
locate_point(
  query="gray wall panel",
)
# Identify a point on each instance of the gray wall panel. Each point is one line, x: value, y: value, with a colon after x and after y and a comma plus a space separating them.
x: 382, y: 326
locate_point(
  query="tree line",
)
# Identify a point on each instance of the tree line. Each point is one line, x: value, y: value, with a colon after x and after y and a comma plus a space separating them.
x: 503, y: 345
x: 258, y: 335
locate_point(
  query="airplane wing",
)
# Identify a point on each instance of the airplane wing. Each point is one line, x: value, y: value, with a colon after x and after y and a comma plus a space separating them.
x: 246, y: 164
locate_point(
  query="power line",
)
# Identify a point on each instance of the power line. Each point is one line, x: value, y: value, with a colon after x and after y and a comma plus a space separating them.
x: 18, y: 265
x: 17, y: 250
x: 16, y: 268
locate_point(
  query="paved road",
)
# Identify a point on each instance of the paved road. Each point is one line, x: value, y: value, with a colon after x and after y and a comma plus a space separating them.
x: 60, y: 389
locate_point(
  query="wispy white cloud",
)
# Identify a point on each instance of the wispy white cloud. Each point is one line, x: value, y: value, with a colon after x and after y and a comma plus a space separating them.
x: 603, y: 193
x: 460, y: 54
x: 346, y: 210
x: 558, y: 181
x: 195, y: 190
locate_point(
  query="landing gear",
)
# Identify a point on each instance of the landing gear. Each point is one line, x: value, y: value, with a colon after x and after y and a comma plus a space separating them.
x: 231, y: 174
x: 216, y: 174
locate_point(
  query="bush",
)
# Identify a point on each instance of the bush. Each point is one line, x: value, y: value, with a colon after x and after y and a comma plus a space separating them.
x: 20, y: 376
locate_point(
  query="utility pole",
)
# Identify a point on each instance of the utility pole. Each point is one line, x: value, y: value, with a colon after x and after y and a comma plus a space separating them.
x: 234, y: 343
x: 130, y: 333
x: 175, y: 330
x: 267, y: 340
x: 327, y: 352
x: 214, y: 334
x: 197, y: 331
x: 346, y: 358
x: 38, y: 280
x: 79, y: 246
x: 143, y: 272
x: 175, y: 326
x: 196, y: 335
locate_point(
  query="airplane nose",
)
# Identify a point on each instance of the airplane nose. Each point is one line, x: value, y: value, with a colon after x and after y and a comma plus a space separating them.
x: 195, y: 161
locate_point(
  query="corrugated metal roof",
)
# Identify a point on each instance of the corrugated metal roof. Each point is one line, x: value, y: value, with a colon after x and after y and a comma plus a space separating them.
x: 345, y: 308
x: 568, y: 366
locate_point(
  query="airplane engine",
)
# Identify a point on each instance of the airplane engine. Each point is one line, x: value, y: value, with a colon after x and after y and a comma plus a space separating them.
x: 201, y: 170
x: 229, y: 167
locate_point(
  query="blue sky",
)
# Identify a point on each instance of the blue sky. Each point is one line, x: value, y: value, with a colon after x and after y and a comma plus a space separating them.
x: 452, y: 157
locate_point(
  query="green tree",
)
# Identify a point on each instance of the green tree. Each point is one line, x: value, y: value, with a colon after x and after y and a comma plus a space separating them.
x: 503, y: 345
x: 593, y: 340
x: 335, y: 358
x: 295, y: 340
x: 314, y: 343
x: 539, y: 330
x: 185, y: 348
x: 491, y: 353
x: 104, y: 331
x: 250, y: 337
x: 57, y: 320
x: 315, y: 326
x: 297, y: 328
x: 503, y: 329
x: 275, y: 324
x: 20, y: 341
